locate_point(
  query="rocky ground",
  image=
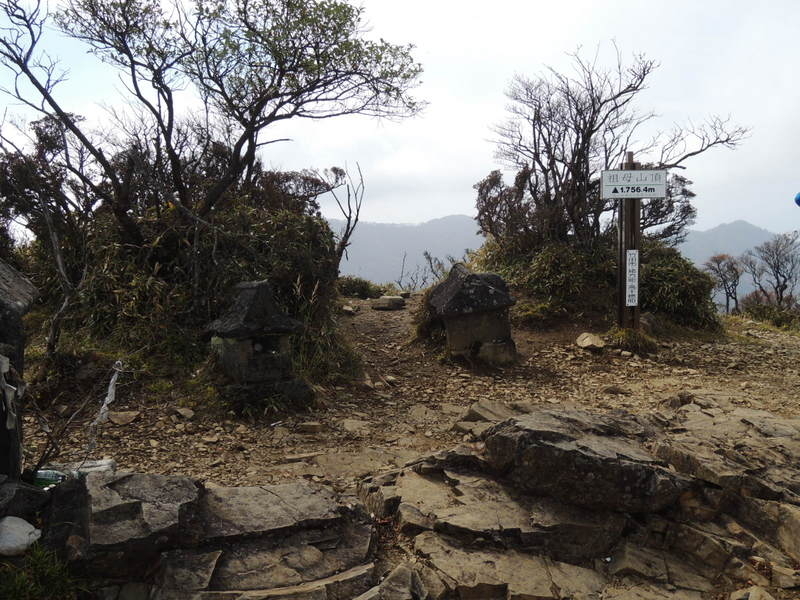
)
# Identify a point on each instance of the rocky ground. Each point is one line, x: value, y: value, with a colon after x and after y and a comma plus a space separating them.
x: 412, y: 404
x: 410, y: 400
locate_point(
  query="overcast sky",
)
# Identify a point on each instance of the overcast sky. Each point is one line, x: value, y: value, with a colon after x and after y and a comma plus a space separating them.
x: 737, y: 58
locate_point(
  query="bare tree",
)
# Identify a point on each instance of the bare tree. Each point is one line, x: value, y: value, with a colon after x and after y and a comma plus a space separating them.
x: 774, y: 267
x: 564, y: 128
x: 38, y: 187
x: 726, y: 271
x: 349, y: 205
x: 252, y: 63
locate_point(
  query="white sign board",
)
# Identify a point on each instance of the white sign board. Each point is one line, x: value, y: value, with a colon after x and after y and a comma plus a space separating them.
x: 632, y: 278
x: 633, y: 184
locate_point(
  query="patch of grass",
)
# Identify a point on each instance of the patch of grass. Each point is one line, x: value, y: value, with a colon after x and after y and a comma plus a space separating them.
x: 785, y: 319
x: 40, y: 576
x: 632, y: 340
x: 533, y: 314
x: 732, y: 323
x: 427, y: 326
x: 351, y: 286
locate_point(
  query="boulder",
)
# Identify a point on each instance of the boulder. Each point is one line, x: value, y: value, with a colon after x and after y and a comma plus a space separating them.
x: 590, y: 341
x: 16, y: 536
x: 583, y: 459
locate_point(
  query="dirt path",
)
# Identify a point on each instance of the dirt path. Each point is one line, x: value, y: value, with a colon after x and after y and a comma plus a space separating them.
x: 407, y: 405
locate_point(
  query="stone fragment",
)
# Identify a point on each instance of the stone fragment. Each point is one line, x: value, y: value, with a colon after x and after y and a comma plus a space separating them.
x: 137, y: 515
x: 310, y: 427
x: 642, y: 562
x: 348, y: 310
x: 403, y: 583
x: 123, y: 417
x: 388, y: 303
x: 186, y: 413
x: 355, y: 425
x: 590, y: 341
x: 473, y: 428
x: 411, y: 521
x: 616, y: 390
x: 186, y: 570
x: 752, y: 593
x: 489, y: 411
x: 293, y: 458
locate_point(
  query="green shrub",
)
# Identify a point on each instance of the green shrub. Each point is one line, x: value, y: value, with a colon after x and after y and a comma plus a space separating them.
x: 671, y: 286
x: 351, y: 286
x: 41, y: 576
x: 152, y: 303
x: 568, y: 280
x: 785, y: 318
x: 562, y: 279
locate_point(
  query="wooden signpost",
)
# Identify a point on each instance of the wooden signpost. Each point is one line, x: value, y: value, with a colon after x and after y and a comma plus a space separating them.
x: 628, y: 186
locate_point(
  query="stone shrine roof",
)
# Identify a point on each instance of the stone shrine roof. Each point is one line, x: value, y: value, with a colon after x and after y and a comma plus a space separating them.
x: 252, y: 313
x: 465, y: 292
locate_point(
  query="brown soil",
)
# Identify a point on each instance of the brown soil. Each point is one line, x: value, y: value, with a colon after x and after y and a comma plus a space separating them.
x: 411, y: 397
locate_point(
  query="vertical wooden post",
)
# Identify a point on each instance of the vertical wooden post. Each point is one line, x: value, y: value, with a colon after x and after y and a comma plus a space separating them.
x: 629, y: 237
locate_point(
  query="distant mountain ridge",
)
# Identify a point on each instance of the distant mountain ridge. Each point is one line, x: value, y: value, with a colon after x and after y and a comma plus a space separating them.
x: 729, y: 238
x: 377, y: 249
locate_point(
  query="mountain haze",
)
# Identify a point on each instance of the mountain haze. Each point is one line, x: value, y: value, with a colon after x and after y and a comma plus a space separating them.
x: 377, y: 249
x: 729, y: 238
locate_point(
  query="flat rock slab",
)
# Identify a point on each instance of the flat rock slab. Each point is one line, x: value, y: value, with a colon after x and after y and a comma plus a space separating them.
x: 388, y: 303
x: 250, y: 511
x: 172, y: 538
x: 509, y: 575
x: 474, y: 507
x: 679, y: 504
x: 736, y: 448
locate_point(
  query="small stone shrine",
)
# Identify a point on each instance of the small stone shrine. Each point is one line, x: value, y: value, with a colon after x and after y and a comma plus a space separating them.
x: 253, y: 340
x: 17, y: 294
x: 474, y: 310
